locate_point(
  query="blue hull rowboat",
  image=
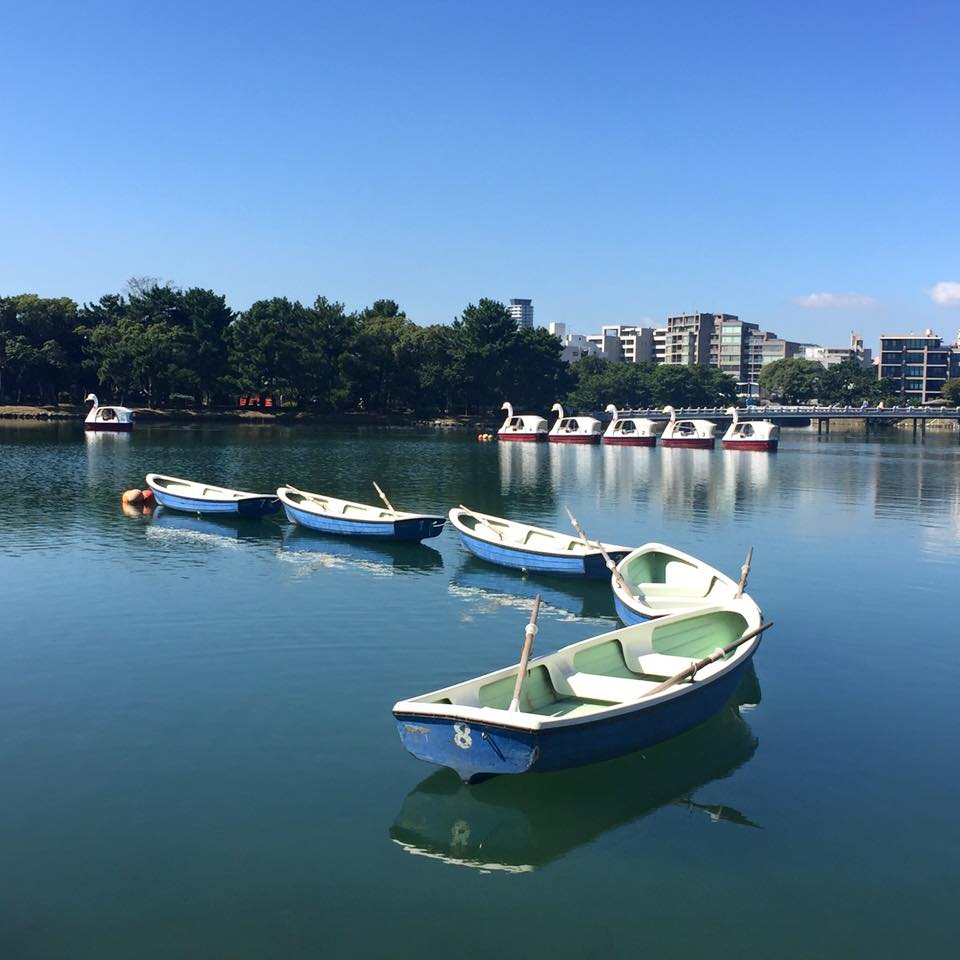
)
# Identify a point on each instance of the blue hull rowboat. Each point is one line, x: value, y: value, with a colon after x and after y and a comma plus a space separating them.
x: 519, y: 824
x: 657, y: 581
x: 518, y: 545
x: 588, y: 702
x: 190, y: 496
x: 347, y: 519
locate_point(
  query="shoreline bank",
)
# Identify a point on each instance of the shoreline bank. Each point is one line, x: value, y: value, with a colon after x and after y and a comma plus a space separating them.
x: 64, y: 413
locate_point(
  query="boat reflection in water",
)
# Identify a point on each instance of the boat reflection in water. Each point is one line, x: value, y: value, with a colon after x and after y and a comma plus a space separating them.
x: 171, y: 525
x: 582, y: 599
x: 519, y: 824
x: 312, y: 552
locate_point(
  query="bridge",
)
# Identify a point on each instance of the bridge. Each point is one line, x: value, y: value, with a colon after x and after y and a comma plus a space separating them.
x: 800, y: 415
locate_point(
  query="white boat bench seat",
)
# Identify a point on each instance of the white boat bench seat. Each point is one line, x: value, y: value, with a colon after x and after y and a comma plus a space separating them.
x: 594, y: 686
x: 695, y: 589
x: 662, y: 664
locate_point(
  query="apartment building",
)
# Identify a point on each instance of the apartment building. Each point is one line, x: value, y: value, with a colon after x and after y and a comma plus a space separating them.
x: 689, y: 336
x: 522, y: 312
x: 918, y: 363
x: 742, y: 350
x: 831, y: 356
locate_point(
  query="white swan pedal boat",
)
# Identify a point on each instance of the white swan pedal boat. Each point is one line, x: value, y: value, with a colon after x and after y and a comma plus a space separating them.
x: 750, y: 434
x: 535, y: 549
x: 110, y: 418
x: 529, y: 427
x: 325, y: 514
x: 192, y: 496
x: 699, y: 434
x: 587, y: 702
x: 629, y: 431
x: 656, y: 581
x: 573, y: 429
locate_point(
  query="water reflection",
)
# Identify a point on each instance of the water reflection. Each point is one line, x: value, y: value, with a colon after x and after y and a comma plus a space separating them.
x: 311, y: 553
x: 519, y: 824
x: 170, y: 526
x: 485, y: 588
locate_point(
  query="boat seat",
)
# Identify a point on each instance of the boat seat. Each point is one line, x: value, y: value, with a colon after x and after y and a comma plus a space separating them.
x: 593, y: 686
x: 662, y: 664
x: 699, y: 587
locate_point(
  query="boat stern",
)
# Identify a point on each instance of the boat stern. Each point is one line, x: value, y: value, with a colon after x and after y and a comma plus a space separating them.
x: 475, y: 751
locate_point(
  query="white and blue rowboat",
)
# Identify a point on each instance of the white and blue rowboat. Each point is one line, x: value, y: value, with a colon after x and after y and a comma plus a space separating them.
x: 510, y: 544
x: 657, y: 581
x: 591, y: 701
x: 193, y: 497
x: 346, y: 518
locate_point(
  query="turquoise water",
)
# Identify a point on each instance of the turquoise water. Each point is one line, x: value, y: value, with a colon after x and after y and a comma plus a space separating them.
x: 198, y: 756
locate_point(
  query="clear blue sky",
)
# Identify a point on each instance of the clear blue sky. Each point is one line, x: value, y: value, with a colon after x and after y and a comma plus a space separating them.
x: 613, y: 161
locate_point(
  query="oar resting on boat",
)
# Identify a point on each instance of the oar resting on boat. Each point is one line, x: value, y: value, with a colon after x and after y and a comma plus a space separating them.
x: 535, y: 549
x: 346, y: 518
x: 192, y: 496
x: 590, y: 701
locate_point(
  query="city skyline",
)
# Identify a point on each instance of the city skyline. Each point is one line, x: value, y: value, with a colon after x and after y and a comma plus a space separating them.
x: 233, y: 155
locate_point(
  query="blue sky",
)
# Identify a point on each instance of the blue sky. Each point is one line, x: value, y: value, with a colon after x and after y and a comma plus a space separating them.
x: 613, y: 161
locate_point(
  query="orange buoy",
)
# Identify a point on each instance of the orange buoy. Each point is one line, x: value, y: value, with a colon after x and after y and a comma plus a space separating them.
x: 132, y: 496
x: 149, y: 499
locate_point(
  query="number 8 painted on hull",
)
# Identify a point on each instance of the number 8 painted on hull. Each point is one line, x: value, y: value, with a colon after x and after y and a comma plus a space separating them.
x: 461, y: 736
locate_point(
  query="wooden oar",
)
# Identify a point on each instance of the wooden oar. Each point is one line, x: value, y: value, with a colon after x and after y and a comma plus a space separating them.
x: 383, y: 497
x: 611, y: 566
x: 744, y: 573
x: 528, y: 634
x: 483, y: 522
x: 717, y: 654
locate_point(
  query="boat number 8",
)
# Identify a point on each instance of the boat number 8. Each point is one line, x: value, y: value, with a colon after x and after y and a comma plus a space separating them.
x: 461, y: 736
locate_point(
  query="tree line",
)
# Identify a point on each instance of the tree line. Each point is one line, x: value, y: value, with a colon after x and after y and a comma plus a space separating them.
x: 157, y: 345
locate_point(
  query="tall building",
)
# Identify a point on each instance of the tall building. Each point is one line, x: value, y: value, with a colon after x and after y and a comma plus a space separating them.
x: 626, y: 342
x: 522, y: 312
x: 918, y: 363
x: 659, y: 344
x: 742, y: 350
x: 689, y: 337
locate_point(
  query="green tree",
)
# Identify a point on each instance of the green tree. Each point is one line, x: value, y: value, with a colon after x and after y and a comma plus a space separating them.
x: 793, y: 380
x: 951, y: 391
x: 384, y: 373
x: 598, y: 381
x: 262, y: 348
x: 482, y: 338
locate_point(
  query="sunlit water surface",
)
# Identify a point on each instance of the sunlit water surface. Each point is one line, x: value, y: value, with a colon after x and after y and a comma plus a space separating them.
x: 198, y: 757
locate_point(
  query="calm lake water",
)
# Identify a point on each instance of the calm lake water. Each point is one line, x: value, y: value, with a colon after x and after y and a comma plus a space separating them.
x: 198, y: 757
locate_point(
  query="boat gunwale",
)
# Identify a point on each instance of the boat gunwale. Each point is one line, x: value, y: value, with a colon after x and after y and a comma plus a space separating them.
x: 534, y: 723
x: 634, y: 602
x: 307, y: 508
x: 153, y: 478
x: 454, y: 517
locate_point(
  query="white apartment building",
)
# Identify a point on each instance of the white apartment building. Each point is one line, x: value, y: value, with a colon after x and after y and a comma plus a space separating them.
x: 575, y: 345
x: 522, y: 312
x: 831, y: 356
x: 627, y: 342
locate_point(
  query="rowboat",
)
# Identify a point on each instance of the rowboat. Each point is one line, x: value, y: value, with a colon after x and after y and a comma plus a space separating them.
x: 519, y: 545
x: 750, y: 434
x: 629, y: 431
x: 346, y: 518
x: 656, y: 581
x: 523, y: 427
x: 521, y: 824
x: 112, y: 419
x: 194, y: 497
x: 687, y: 433
x: 600, y: 698
x: 573, y: 429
